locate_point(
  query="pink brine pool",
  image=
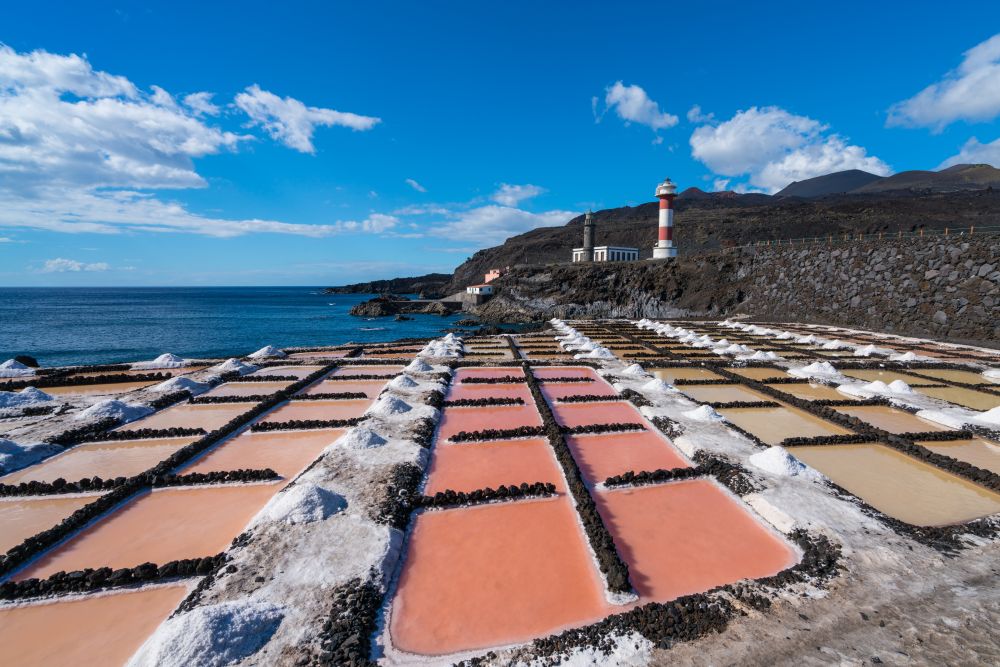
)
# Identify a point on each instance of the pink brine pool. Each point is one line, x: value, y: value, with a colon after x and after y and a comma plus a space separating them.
x: 462, y: 373
x: 687, y: 537
x: 583, y: 414
x: 554, y: 390
x: 208, y: 416
x: 605, y: 455
x: 305, y: 410
x: 454, y: 420
x: 494, y: 575
x: 467, y: 467
x: 565, y: 371
x: 458, y: 391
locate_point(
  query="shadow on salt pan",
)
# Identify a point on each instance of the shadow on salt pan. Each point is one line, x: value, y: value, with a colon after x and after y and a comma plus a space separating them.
x: 219, y: 634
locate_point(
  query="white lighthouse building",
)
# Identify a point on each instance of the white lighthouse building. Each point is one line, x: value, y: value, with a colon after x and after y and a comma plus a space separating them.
x: 665, y: 248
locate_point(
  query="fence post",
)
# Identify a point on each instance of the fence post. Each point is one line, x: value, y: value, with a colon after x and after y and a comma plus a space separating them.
x: 946, y: 231
x: 921, y: 232
x: 972, y: 229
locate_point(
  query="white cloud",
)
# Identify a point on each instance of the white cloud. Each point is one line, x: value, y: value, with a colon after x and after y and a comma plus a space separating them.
x: 62, y: 265
x: 720, y: 184
x: 416, y: 186
x: 4, y: 239
x: 512, y: 195
x: 494, y: 224
x: 774, y: 147
x: 694, y: 115
x: 974, y: 152
x: 971, y: 93
x: 201, y: 104
x: 80, y: 149
x: 291, y: 122
x: 633, y: 105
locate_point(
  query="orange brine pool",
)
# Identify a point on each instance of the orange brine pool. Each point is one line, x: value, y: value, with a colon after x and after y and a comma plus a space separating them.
x: 683, y: 373
x: 97, y: 389
x: 93, y: 630
x: 185, y: 415
x: 336, y: 409
x: 103, y: 459
x: 296, y: 371
x: 687, y: 537
x: 892, y: 420
x: 493, y: 575
x: 454, y: 420
x: 722, y: 393
x: 901, y: 486
x: 467, y: 467
x: 773, y: 425
x: 21, y: 518
x: 605, y: 455
x: 809, y: 391
x: 286, y: 452
x: 247, y: 388
x: 158, y: 527
x: 980, y: 452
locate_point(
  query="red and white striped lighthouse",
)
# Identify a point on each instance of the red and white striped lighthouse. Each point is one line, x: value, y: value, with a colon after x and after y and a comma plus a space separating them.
x: 664, y: 248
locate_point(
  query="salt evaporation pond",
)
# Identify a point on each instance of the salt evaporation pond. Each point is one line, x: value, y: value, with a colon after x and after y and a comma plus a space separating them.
x: 370, y: 388
x: 456, y: 420
x: 979, y: 452
x: 722, y: 393
x: 158, y: 527
x: 969, y: 398
x: 286, y: 452
x: 525, y: 572
x: 687, y: 537
x: 103, y: 459
x: 94, y: 630
x: 294, y: 371
x: 608, y: 454
x: 670, y: 375
x: 305, y: 410
x: 462, y: 391
x: 468, y: 467
x: 22, y: 518
x: 583, y: 414
x: 207, y: 416
x: 109, y: 389
x: 773, y: 425
x: 809, y: 391
x: 892, y: 420
x: 900, y: 486
x: 248, y: 388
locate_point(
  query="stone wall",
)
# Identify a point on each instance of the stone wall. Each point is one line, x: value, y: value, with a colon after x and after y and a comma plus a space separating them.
x: 947, y: 289
x: 940, y: 288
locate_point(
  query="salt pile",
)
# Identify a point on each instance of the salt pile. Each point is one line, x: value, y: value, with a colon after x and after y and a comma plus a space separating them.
x: 388, y: 406
x: 419, y: 366
x: 704, y: 414
x: 180, y: 384
x: 658, y: 386
x: 834, y: 345
x: 302, y: 503
x: 234, y: 366
x: 361, y: 437
x: 759, y: 356
x: 211, y: 635
x: 784, y: 335
x: 909, y: 356
x: 403, y: 382
x: 14, y: 369
x: 597, y: 353
x: 635, y: 370
x: 777, y: 461
x: 123, y: 412
x: 165, y: 360
x: 811, y: 339
x: 992, y: 374
x: 869, y: 350
x: 26, y: 398
x: 14, y: 456
x: 823, y: 370
x: 268, y: 352
x: 735, y: 348
x: 876, y: 388
x: 989, y: 418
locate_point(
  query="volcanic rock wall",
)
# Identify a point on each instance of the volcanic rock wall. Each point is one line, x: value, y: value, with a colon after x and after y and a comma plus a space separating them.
x: 946, y: 288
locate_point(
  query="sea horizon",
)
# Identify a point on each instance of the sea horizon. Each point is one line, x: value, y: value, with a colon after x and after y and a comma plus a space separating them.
x: 101, y: 325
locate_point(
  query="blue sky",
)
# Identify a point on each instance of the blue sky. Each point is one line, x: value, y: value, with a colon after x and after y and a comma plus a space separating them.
x: 195, y: 144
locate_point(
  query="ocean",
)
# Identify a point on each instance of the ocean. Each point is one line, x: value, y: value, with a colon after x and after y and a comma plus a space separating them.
x: 60, y: 326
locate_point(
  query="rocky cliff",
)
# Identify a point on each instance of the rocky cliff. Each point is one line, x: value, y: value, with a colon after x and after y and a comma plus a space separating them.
x: 945, y: 288
x: 707, y: 221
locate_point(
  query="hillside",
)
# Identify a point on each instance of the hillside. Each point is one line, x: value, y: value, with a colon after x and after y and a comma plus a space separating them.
x: 829, y: 184
x: 959, y: 177
x: 705, y: 223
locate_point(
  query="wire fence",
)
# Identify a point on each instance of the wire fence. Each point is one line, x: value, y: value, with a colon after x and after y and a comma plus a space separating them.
x: 849, y: 237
